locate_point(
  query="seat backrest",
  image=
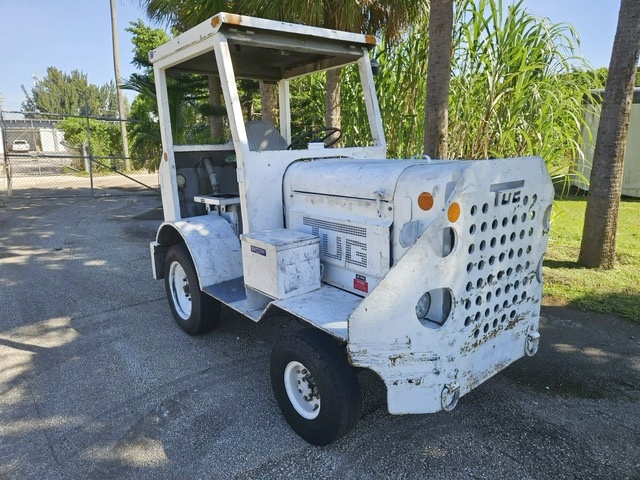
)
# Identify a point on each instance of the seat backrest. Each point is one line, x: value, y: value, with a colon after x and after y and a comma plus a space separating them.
x: 264, y: 136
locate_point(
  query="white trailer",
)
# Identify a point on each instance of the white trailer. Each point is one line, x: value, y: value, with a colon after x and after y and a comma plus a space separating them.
x: 427, y: 272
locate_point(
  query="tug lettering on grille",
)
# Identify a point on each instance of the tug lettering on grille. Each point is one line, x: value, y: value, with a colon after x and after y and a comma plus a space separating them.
x: 507, y: 193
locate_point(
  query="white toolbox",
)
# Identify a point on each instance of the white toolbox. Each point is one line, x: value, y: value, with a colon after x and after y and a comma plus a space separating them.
x: 281, y: 263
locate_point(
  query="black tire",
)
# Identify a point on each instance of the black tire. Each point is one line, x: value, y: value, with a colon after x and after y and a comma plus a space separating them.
x: 194, y: 311
x: 332, y: 385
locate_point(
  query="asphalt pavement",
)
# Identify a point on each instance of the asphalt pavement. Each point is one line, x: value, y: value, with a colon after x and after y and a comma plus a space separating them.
x: 96, y: 381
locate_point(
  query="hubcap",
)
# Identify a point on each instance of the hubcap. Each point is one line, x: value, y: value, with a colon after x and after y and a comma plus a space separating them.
x: 302, y: 390
x: 180, y: 295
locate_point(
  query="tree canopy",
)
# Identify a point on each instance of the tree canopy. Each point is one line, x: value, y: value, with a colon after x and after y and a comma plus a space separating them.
x: 71, y: 94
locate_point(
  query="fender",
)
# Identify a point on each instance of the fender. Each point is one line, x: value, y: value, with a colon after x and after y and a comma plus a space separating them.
x: 213, y: 245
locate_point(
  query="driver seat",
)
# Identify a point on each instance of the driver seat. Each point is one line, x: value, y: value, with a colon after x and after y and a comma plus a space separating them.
x: 263, y: 136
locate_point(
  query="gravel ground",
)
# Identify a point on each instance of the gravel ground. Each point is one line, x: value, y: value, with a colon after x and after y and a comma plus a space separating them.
x: 96, y: 381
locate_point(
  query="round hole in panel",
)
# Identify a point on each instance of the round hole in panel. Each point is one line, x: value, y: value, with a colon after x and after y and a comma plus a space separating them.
x: 518, y: 268
x: 505, y: 304
x: 531, y: 232
x: 477, y: 316
x: 524, y: 217
x: 509, y: 271
x: 512, y: 237
x: 496, y: 307
x: 469, y: 286
x: 480, y: 264
x: 483, y: 227
x: 514, y: 219
x: 472, y: 229
x: 485, y: 329
x: 507, y: 288
x: 472, y: 247
x: 480, y: 283
x: 467, y: 304
x: 490, y: 279
x: 546, y: 219
x: 476, y: 333
x: 510, y: 253
x: 515, y: 299
x: 494, y: 224
x: 505, y: 221
x: 498, y: 292
x: 534, y: 199
x: 495, y: 322
x: 478, y: 300
x: 532, y: 214
x: 528, y: 248
x: 439, y: 308
x: 525, y: 200
x: 519, y: 252
x: 469, y: 267
x: 512, y: 314
x: 501, y: 257
x: 483, y: 245
x: 485, y: 208
x: 539, y: 271
x: 522, y: 234
x: 489, y: 297
x: 467, y: 321
x: 492, y: 260
x: 444, y: 242
x: 503, y: 318
x: 474, y: 210
x: 516, y: 284
x: 493, y: 242
x: 523, y: 297
x: 487, y: 312
x: 500, y: 274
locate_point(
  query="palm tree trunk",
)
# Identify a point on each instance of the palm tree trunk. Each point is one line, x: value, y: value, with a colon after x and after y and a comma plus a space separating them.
x: 598, y: 245
x: 438, y: 78
x: 333, y: 110
x: 269, y: 99
x: 215, y: 95
x: 116, y: 68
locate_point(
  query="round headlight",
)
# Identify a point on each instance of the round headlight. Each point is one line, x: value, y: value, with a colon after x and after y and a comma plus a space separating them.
x: 423, y: 306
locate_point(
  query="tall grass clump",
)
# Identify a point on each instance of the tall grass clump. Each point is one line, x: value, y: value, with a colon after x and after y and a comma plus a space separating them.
x: 513, y: 89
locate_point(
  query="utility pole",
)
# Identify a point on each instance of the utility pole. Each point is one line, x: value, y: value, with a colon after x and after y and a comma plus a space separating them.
x: 116, y: 68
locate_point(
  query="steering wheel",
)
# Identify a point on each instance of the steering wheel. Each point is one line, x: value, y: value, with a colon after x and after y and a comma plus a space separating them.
x: 302, y: 141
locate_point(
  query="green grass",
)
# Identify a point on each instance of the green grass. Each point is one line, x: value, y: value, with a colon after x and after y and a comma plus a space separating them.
x: 614, y: 291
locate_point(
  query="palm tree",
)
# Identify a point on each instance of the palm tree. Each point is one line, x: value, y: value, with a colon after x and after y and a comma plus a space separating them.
x: 601, y: 218
x: 438, y: 78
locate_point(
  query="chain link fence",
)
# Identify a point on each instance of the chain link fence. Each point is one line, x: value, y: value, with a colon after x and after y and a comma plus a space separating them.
x: 49, y: 155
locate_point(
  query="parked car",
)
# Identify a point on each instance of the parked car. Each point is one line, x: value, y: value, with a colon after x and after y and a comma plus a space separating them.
x: 20, y: 146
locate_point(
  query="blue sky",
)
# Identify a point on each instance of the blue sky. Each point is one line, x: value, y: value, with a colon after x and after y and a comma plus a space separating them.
x: 76, y: 35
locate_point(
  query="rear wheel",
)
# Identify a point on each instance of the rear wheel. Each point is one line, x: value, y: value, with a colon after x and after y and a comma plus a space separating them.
x: 194, y: 311
x: 316, y: 388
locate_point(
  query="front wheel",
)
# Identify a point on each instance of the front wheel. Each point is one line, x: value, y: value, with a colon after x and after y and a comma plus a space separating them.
x: 194, y: 311
x: 316, y: 389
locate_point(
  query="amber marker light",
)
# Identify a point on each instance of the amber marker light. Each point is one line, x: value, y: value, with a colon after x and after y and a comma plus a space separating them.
x: 453, y: 214
x: 215, y: 21
x: 425, y: 201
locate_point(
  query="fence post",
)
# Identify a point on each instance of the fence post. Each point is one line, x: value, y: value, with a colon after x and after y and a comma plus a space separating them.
x: 89, y: 148
x: 7, y: 167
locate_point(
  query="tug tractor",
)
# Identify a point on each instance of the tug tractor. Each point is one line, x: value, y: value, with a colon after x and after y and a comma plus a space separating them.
x: 428, y: 272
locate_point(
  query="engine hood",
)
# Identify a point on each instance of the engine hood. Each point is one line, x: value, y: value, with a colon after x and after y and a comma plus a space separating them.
x: 365, y: 179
